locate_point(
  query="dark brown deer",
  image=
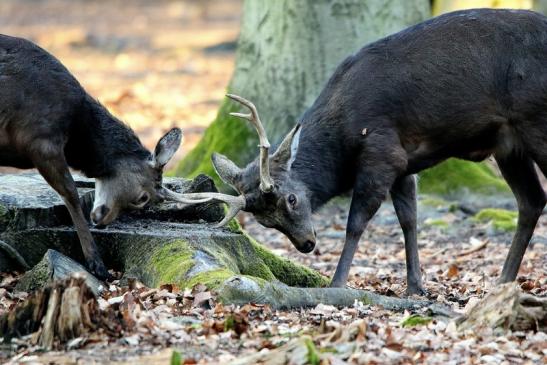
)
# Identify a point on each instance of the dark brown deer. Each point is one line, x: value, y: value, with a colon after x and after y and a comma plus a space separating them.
x: 468, y: 84
x: 49, y: 122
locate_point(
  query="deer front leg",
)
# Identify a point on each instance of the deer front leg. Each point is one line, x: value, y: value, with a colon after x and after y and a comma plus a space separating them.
x: 403, y: 194
x: 369, y: 191
x: 53, y: 167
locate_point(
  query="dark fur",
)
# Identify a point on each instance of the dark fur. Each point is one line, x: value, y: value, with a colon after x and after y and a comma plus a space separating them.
x: 41, y: 100
x: 48, y: 121
x: 468, y: 84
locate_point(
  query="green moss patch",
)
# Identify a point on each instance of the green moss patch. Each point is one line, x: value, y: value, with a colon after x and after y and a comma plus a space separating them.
x: 436, y: 223
x: 502, y: 219
x: 288, y: 272
x: 415, y: 320
x: 211, y: 279
x: 434, y: 202
x: 172, y: 262
x: 453, y: 176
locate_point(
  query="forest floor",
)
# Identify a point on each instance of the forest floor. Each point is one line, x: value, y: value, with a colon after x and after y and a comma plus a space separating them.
x: 167, y: 63
x: 460, y: 259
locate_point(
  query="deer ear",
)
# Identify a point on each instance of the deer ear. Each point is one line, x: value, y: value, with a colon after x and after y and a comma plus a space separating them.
x: 226, y: 169
x: 286, y: 152
x: 166, y: 147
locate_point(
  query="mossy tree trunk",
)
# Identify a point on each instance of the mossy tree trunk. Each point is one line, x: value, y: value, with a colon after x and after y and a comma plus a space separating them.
x: 287, y: 50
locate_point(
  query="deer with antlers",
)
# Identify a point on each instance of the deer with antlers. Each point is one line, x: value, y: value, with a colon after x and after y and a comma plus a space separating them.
x: 396, y: 107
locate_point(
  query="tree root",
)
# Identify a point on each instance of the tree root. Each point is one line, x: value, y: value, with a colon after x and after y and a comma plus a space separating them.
x: 12, y: 252
x: 241, y: 290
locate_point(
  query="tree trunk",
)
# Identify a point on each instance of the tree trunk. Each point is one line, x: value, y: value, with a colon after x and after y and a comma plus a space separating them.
x: 540, y: 6
x: 445, y: 6
x: 287, y: 50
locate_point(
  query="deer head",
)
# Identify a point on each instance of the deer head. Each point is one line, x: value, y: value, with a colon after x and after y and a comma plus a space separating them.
x: 266, y: 187
x: 136, y: 182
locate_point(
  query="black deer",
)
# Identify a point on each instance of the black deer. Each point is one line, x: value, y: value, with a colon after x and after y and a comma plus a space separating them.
x: 48, y: 121
x: 468, y: 84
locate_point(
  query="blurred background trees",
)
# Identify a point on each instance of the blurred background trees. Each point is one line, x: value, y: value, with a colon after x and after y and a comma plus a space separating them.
x: 286, y: 52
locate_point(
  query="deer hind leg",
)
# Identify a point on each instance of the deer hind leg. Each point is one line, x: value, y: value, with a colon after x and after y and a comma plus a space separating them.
x: 518, y: 170
x: 51, y: 163
x: 403, y: 194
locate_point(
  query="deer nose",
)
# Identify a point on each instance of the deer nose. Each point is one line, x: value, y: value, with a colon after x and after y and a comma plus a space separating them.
x: 307, y: 247
x: 98, y: 214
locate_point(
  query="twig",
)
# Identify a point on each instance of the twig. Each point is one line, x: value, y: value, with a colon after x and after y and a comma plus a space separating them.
x: 475, y: 248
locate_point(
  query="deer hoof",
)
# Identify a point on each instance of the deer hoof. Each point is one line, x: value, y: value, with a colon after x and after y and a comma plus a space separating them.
x: 97, y: 268
x: 416, y: 290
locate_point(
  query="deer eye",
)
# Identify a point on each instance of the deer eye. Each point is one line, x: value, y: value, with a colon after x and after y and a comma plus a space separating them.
x: 292, y: 200
x: 143, y: 199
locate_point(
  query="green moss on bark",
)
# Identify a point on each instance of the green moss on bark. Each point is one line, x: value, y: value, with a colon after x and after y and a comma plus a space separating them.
x: 227, y: 135
x: 454, y: 176
x: 172, y: 262
x: 212, y: 279
x: 288, y: 272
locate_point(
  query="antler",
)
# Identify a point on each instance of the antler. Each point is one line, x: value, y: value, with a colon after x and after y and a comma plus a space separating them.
x: 235, y: 203
x: 266, y: 182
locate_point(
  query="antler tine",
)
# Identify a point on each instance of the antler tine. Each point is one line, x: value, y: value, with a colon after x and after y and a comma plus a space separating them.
x: 266, y: 182
x: 235, y: 203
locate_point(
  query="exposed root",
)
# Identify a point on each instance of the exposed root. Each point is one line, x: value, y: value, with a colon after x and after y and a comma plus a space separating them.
x: 241, y: 290
x: 12, y: 252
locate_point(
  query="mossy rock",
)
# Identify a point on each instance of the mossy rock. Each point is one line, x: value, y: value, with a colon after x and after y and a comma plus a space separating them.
x: 501, y: 219
x: 455, y: 176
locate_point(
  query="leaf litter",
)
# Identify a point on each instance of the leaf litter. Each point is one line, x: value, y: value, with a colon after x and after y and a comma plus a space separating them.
x: 459, y: 269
